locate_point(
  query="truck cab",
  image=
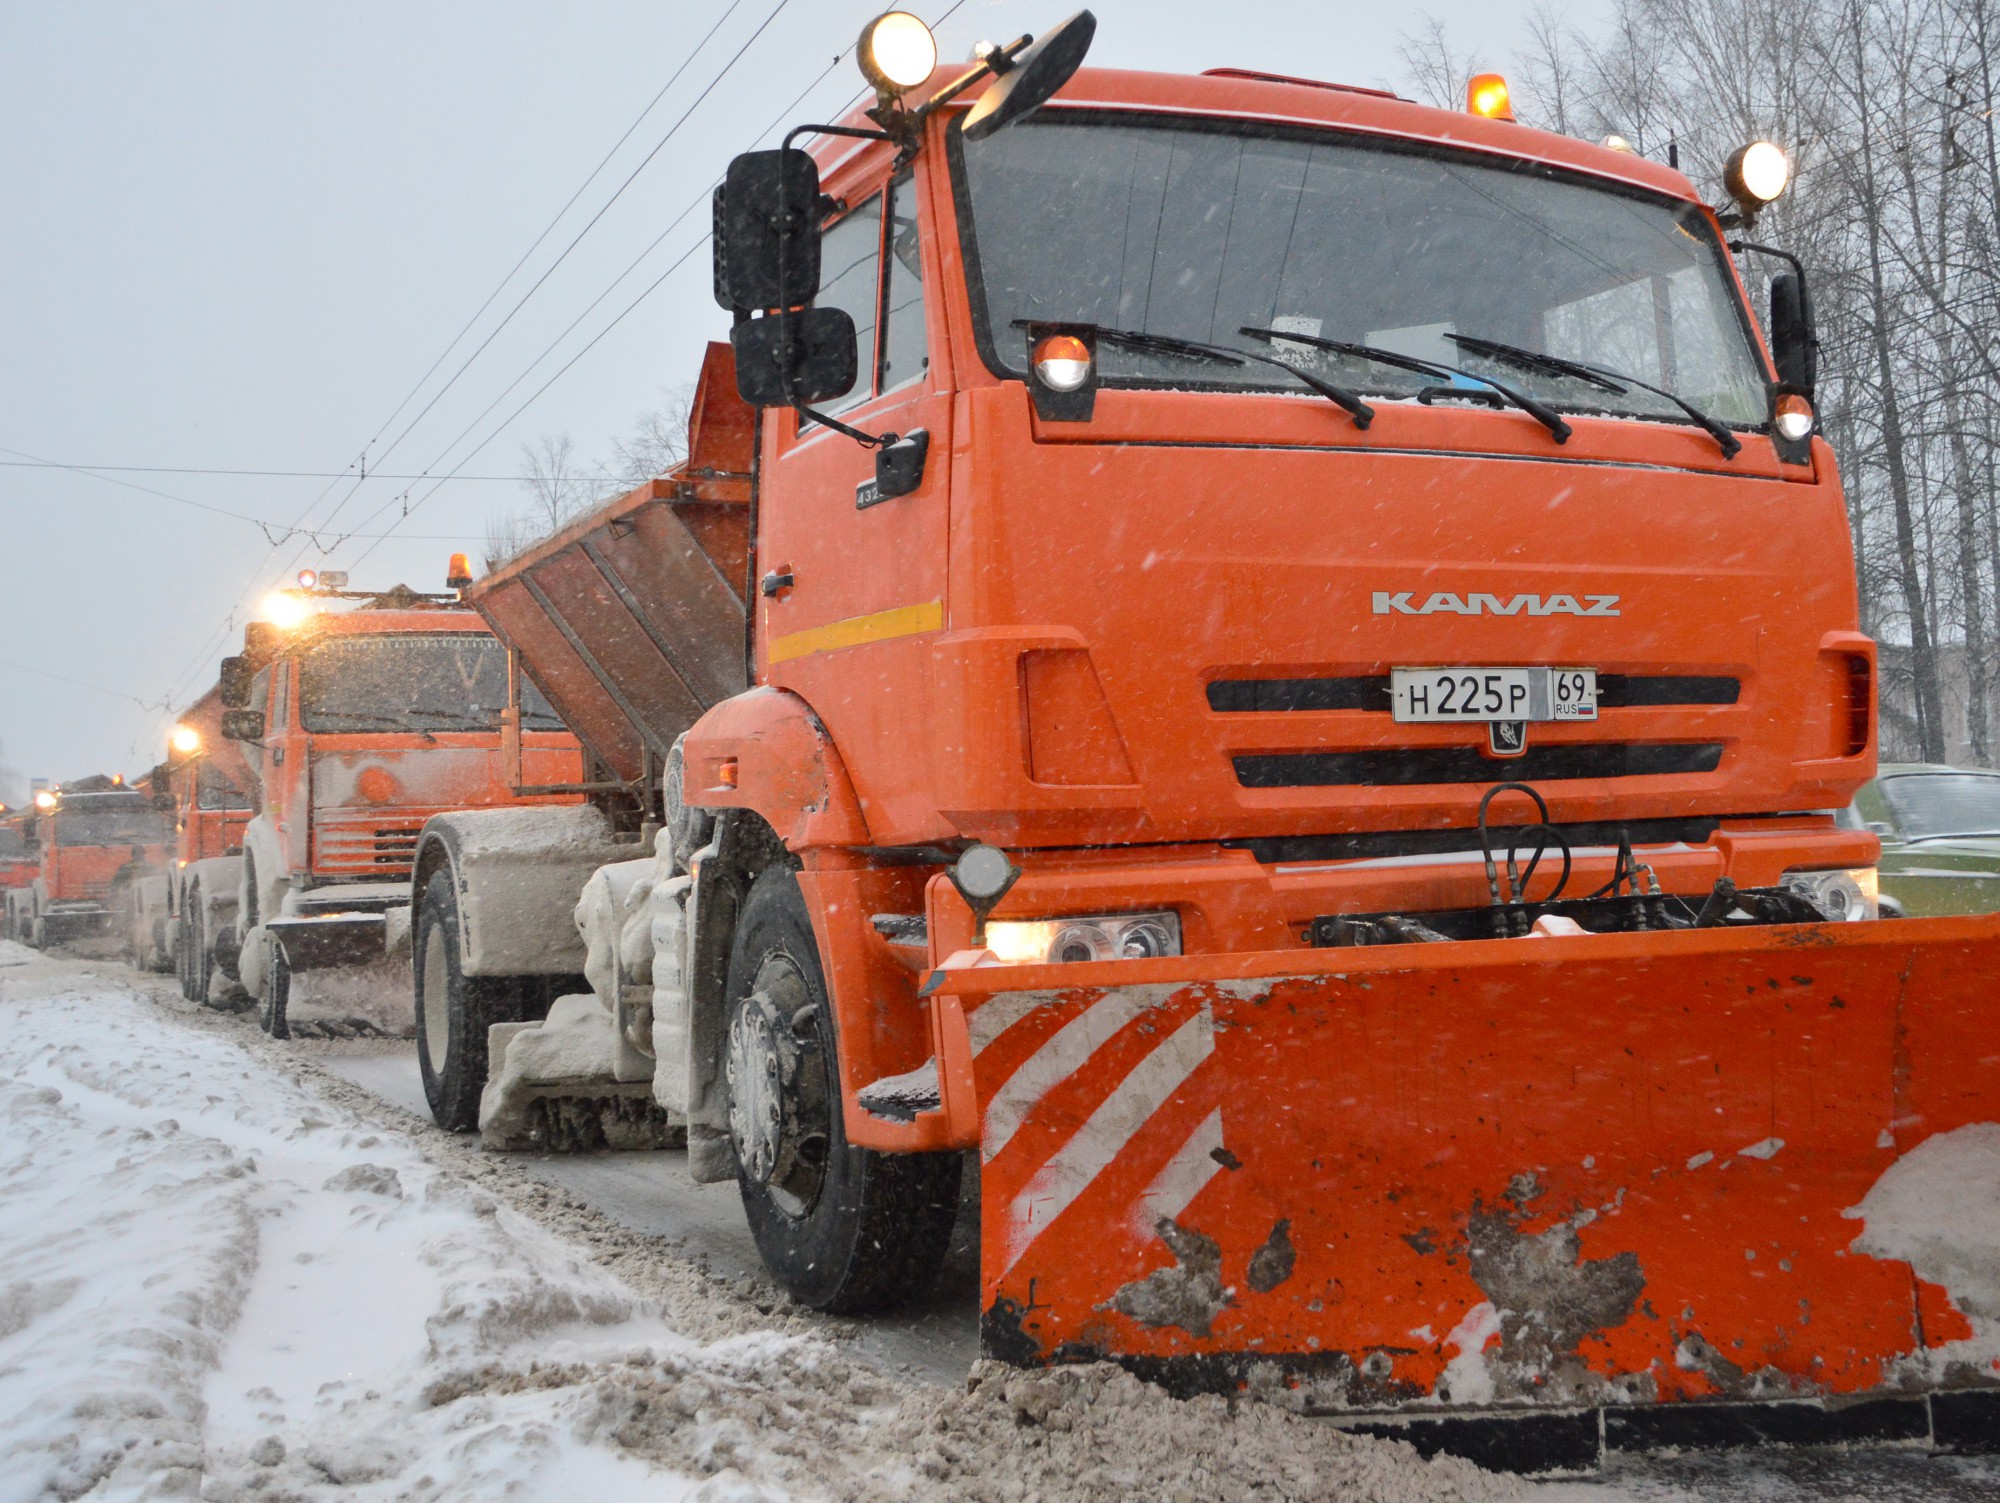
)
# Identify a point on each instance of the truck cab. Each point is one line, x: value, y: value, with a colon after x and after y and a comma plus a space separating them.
x: 360, y: 725
x: 85, y: 834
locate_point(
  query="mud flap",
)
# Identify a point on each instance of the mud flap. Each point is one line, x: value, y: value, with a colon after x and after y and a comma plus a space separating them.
x: 1597, y: 1172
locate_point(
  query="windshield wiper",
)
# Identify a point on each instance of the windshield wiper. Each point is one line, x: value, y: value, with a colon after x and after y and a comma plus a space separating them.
x: 1600, y: 376
x: 1194, y: 349
x: 376, y: 722
x: 1547, y: 416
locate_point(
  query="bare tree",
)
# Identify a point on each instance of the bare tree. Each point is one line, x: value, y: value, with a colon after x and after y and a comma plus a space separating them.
x: 1438, y: 74
x: 561, y: 486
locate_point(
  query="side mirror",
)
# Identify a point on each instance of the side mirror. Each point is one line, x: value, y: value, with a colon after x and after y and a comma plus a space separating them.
x: 1035, y: 76
x: 243, y: 725
x: 767, y: 231
x: 234, y: 688
x: 899, y: 469
x: 1794, y: 343
x: 805, y: 356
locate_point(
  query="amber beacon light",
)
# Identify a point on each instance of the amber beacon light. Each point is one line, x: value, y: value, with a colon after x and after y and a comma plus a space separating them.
x: 1487, y: 95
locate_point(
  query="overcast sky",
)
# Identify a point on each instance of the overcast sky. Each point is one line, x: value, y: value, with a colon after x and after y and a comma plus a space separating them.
x: 236, y: 237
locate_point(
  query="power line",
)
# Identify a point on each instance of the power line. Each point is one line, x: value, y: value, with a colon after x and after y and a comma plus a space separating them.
x: 512, y: 271
x: 275, y: 533
x: 620, y: 318
x: 229, y: 622
x: 63, y: 678
x: 169, y: 469
x: 550, y: 270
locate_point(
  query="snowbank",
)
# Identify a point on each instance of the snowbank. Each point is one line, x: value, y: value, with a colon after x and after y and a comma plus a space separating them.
x: 213, y: 1282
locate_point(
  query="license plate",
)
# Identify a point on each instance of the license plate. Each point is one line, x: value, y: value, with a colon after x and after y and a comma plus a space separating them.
x: 1482, y: 694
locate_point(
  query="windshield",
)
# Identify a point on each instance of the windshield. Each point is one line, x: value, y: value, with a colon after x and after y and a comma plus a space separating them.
x: 214, y: 791
x: 413, y: 683
x: 1934, y: 804
x: 132, y: 820
x: 1196, y: 232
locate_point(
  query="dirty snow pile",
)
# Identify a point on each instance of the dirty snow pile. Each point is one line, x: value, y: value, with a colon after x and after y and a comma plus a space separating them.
x: 215, y: 1284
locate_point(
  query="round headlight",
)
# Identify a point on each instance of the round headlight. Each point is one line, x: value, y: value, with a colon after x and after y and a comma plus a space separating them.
x: 897, y: 51
x: 1757, y: 174
x: 984, y: 872
x: 1146, y: 941
x: 1080, y: 942
x: 1062, y: 362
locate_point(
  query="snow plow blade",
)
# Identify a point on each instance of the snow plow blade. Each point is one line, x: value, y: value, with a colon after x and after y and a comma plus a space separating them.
x: 1614, y: 1181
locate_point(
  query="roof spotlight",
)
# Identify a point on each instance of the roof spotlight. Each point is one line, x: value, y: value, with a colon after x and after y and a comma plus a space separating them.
x: 286, y: 609
x: 896, y: 52
x: 308, y: 578
x: 185, y: 739
x: 1756, y: 174
x: 45, y: 798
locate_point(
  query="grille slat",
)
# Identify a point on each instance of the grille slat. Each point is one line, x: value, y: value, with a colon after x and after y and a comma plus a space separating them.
x: 1615, y: 691
x: 1411, y: 766
x: 1364, y: 845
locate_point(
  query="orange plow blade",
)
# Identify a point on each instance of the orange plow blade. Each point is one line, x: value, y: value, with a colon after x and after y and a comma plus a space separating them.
x: 1602, y: 1175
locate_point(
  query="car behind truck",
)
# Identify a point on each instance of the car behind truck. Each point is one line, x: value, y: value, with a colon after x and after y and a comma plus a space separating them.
x: 360, y: 724
x: 1275, y: 663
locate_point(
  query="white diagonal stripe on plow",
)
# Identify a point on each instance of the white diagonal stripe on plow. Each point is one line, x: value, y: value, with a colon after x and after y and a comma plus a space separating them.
x: 1105, y: 1133
x: 1174, y: 1188
x: 1060, y: 1057
x: 997, y: 1014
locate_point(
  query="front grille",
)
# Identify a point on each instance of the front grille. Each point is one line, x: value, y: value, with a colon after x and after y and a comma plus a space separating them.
x: 1615, y: 691
x: 1362, y: 845
x: 366, y: 841
x: 1412, y: 766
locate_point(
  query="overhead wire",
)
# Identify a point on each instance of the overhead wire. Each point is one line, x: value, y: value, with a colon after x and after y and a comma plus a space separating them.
x: 64, y: 678
x: 264, y: 563
x: 411, y: 506
x: 275, y: 533
x: 578, y: 238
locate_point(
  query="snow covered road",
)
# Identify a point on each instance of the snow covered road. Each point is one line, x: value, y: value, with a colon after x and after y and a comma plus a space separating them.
x: 228, y: 1274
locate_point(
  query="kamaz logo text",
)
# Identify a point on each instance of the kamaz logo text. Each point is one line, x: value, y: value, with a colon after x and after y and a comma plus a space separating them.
x: 1446, y: 604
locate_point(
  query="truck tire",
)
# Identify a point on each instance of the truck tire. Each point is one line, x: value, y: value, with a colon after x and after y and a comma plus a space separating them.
x: 276, y: 995
x: 844, y: 1229
x: 453, y: 1010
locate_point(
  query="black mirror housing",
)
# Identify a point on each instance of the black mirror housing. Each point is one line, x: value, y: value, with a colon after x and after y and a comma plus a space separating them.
x: 807, y: 356
x: 243, y: 725
x: 1794, y: 342
x: 767, y: 231
x: 1033, y: 78
x: 234, y: 687
x: 899, y: 469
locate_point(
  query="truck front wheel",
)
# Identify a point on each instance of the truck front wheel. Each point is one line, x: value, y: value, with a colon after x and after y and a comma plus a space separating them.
x: 844, y: 1229
x: 453, y: 1010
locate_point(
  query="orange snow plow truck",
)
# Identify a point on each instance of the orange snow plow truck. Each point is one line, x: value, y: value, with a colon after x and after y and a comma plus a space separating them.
x: 360, y: 724
x: 1268, y: 665
x: 85, y: 835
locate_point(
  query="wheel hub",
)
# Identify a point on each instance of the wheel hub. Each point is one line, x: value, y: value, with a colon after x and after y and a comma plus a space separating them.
x: 761, y: 1064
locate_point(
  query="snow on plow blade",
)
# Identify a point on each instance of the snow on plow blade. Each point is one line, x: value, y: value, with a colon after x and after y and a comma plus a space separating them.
x: 1616, y: 1172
